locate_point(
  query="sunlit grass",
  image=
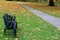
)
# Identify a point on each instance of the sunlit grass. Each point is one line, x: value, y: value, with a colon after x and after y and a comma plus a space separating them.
x: 30, y: 27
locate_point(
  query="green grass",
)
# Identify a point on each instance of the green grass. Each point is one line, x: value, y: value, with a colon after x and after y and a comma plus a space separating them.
x: 30, y: 27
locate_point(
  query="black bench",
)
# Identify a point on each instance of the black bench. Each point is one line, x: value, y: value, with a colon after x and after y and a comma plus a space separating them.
x: 10, y: 23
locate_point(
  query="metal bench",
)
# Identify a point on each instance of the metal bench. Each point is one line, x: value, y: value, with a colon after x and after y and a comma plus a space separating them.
x: 10, y: 23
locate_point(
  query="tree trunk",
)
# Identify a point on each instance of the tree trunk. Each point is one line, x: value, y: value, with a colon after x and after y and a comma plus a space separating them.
x: 8, y: 0
x: 51, y: 3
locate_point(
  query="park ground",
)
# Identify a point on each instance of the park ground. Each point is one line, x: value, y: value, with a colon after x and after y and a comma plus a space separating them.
x: 54, y: 10
x: 30, y: 26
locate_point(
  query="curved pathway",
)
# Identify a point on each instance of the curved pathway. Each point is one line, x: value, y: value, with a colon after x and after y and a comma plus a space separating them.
x: 48, y: 18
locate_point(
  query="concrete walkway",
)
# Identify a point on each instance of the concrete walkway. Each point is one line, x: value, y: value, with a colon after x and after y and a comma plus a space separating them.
x: 48, y: 18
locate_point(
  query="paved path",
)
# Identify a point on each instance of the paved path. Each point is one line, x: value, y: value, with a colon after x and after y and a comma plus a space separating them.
x: 48, y: 18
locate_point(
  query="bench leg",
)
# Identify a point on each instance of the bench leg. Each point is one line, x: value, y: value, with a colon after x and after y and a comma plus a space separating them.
x: 15, y: 32
x: 5, y: 31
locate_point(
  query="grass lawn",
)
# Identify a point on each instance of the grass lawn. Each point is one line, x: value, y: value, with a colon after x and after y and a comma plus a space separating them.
x: 30, y: 26
x: 55, y: 11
